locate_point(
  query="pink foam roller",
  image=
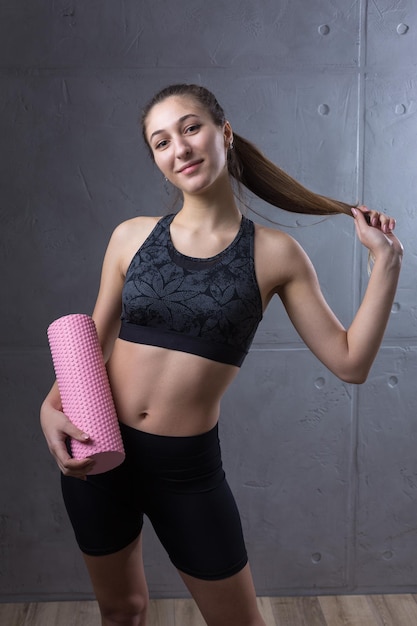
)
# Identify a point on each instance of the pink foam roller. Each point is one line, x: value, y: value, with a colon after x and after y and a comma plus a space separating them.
x: 85, y: 390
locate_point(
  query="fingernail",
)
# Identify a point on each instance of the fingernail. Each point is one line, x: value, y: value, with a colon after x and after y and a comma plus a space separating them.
x: 354, y: 211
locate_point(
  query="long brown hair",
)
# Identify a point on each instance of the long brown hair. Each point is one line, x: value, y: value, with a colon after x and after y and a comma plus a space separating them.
x: 248, y: 166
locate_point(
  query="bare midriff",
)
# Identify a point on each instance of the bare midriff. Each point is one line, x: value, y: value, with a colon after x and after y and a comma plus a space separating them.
x: 166, y: 392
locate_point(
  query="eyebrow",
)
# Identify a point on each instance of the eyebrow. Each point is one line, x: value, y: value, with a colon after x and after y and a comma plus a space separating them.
x: 181, y: 119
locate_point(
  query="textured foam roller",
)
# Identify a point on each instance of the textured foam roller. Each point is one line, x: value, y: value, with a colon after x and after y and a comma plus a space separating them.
x: 85, y: 390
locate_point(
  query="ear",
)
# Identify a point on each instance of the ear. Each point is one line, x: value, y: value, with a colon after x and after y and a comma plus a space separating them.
x: 228, y: 135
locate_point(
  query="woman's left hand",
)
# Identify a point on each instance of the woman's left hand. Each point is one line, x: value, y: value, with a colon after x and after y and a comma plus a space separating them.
x: 377, y: 235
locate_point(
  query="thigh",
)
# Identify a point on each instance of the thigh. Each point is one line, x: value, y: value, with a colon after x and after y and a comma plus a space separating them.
x: 227, y: 602
x: 191, y: 507
x: 201, y: 531
x: 104, y: 510
x: 119, y: 582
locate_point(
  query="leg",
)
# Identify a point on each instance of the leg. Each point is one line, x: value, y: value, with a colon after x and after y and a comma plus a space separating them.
x: 120, y: 587
x: 228, y: 602
x: 195, y: 516
x: 106, y: 516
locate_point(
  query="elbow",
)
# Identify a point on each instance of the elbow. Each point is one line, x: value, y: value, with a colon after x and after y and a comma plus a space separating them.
x: 354, y: 377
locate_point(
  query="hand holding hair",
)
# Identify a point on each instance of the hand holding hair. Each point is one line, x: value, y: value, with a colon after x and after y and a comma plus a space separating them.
x: 375, y: 231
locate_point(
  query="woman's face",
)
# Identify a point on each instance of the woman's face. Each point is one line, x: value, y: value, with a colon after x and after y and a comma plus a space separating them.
x: 188, y: 147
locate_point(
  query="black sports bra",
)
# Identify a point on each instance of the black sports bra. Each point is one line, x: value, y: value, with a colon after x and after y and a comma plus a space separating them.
x: 209, y: 307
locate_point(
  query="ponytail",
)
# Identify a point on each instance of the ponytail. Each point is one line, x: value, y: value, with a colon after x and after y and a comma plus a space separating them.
x: 270, y: 183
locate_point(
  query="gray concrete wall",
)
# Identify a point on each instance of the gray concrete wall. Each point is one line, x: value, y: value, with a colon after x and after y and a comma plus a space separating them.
x: 325, y: 473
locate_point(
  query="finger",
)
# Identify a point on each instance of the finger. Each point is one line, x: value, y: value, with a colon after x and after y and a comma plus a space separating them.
x: 362, y: 215
x: 382, y: 221
x: 76, y: 433
x: 372, y: 217
x: 376, y: 219
x: 66, y: 463
x: 387, y: 224
x: 78, y: 468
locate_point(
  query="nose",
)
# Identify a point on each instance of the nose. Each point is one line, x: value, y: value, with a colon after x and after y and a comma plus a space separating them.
x: 182, y: 148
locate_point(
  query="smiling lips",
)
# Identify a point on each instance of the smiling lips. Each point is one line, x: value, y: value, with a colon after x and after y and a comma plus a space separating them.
x: 189, y: 168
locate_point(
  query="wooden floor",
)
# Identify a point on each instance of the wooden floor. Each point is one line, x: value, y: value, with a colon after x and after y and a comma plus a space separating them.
x: 373, y: 610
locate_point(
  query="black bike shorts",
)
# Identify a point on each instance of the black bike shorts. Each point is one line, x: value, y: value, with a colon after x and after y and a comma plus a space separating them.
x: 180, y: 485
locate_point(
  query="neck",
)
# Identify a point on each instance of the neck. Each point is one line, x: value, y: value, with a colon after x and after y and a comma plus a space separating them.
x: 215, y: 205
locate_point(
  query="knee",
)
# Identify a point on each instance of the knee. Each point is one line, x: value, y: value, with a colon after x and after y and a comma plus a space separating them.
x: 132, y: 612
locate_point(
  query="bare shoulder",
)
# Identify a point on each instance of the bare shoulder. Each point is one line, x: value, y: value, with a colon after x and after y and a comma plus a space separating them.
x: 135, y: 227
x: 128, y: 236
x: 273, y: 238
x: 278, y: 256
x: 280, y: 263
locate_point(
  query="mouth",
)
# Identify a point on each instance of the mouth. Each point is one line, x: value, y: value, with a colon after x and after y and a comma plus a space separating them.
x: 190, y: 167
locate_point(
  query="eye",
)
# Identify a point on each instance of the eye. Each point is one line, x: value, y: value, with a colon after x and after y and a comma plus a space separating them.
x: 161, y: 144
x: 193, y: 128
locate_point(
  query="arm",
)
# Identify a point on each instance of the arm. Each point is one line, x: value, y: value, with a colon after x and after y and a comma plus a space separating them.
x: 57, y: 428
x: 55, y: 424
x: 350, y: 353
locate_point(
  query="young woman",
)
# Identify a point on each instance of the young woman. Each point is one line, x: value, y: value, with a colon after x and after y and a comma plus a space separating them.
x: 179, y: 302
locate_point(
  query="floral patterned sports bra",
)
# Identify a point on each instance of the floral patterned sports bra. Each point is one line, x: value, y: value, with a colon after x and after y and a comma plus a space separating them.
x: 209, y: 307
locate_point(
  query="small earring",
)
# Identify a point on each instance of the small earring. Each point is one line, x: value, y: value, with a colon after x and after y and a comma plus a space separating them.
x: 166, y: 186
x: 231, y: 146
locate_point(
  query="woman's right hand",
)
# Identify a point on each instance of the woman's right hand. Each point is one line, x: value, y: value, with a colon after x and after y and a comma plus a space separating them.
x: 57, y: 428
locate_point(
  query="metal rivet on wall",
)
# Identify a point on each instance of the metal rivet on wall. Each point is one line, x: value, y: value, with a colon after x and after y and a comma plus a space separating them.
x: 324, y: 109
x: 395, y: 307
x: 319, y: 382
x: 316, y: 557
x: 400, y: 109
x: 324, y: 29
x: 392, y: 381
x: 402, y: 29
